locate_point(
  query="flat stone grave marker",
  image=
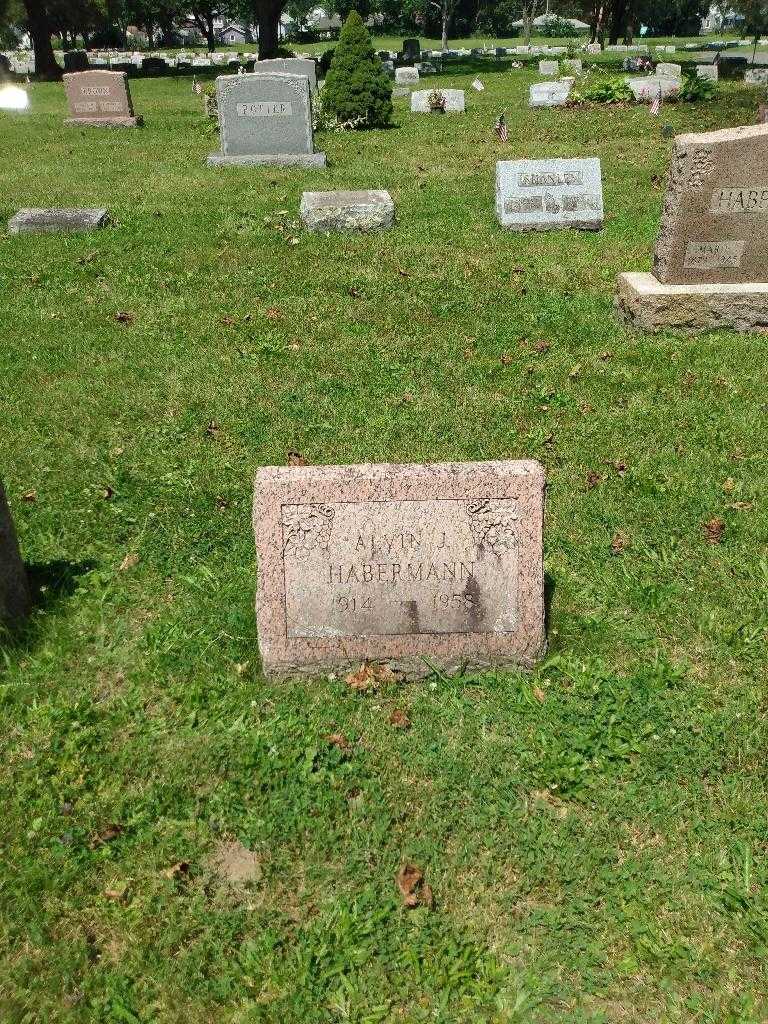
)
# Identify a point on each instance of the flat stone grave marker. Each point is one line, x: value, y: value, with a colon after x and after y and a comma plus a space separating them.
x: 574, y: 66
x: 549, y: 94
x: 42, y: 220
x: 99, y: 99
x: 454, y: 101
x: 15, y: 600
x: 347, y: 211
x: 265, y: 119
x: 549, y: 67
x: 406, y: 76
x: 646, y: 90
x: 291, y: 66
x: 756, y: 76
x: 710, y: 264
x: 707, y: 71
x: 543, y: 195
x: 422, y: 566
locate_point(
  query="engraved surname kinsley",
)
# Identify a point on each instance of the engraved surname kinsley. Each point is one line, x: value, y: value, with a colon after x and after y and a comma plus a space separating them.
x: 740, y: 200
x: 539, y: 179
x: 269, y: 108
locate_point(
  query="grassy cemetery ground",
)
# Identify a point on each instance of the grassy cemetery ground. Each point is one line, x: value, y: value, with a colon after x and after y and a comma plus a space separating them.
x: 594, y: 833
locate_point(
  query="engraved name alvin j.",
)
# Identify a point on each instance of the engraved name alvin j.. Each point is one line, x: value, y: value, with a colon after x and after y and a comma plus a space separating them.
x: 264, y: 109
x: 740, y: 200
x: 424, y: 553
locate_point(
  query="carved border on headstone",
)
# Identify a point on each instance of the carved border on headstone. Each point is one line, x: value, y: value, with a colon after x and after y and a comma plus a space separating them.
x: 306, y: 528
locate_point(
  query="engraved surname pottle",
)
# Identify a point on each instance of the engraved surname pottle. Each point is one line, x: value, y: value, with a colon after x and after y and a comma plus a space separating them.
x: 376, y: 568
x: 269, y: 108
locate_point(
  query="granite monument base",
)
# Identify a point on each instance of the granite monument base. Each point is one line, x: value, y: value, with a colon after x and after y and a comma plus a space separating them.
x: 645, y: 302
x: 105, y: 122
x: 274, y: 159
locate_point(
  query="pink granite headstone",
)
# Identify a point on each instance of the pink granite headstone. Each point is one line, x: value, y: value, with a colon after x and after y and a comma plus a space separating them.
x: 421, y: 566
x: 99, y: 98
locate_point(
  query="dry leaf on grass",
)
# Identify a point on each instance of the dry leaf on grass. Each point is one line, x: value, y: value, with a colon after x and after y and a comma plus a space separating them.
x: 177, y: 870
x: 539, y: 694
x: 506, y: 359
x: 370, y: 676
x: 295, y: 459
x: 620, y: 543
x: 541, y: 347
x: 593, y: 479
x: 338, y: 739
x: 129, y: 561
x: 399, y: 719
x: 415, y: 893
x: 714, y: 530
x: 29, y: 496
x: 124, y: 317
x: 273, y: 313
x: 213, y: 429
x: 105, y: 835
x: 620, y: 467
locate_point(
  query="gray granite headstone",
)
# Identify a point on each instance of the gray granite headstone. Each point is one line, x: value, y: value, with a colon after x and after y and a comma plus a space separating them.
x: 542, y: 195
x: 290, y: 66
x: 40, y: 220
x: 369, y: 210
x: 265, y: 119
x: 15, y: 601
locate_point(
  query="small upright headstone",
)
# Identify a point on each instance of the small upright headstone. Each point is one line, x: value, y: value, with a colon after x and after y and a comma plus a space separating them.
x: 15, y: 600
x: 707, y: 71
x: 549, y: 94
x: 756, y: 76
x: 549, y: 68
x: 650, y: 88
x: 420, y: 566
x: 265, y: 119
x: 454, y: 101
x: 573, y: 66
x: 542, y: 195
x: 411, y: 49
x: 406, y: 76
x: 593, y: 48
x: 100, y: 99
x: 711, y: 259
x: 291, y: 66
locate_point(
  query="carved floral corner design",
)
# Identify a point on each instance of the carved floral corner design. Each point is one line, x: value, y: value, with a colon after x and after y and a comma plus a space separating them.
x: 493, y: 526
x: 306, y: 528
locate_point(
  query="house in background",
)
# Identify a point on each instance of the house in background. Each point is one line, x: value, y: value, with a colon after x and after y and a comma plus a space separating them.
x: 233, y: 33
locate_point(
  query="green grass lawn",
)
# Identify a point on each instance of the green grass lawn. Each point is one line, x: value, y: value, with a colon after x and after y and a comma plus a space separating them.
x: 595, y: 832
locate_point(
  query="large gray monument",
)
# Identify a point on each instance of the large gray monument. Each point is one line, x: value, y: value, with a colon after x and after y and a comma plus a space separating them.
x: 265, y: 119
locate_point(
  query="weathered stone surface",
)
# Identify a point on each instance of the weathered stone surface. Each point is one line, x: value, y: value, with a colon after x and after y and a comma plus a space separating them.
x: 15, y: 600
x: 99, y: 99
x: 756, y: 76
x: 347, y: 211
x: 707, y: 71
x: 573, y: 66
x: 265, y: 118
x: 549, y: 67
x: 549, y: 94
x: 714, y: 228
x: 290, y: 66
x: 39, y: 220
x: 406, y: 76
x: 669, y: 71
x: 419, y: 566
x: 454, y: 101
x: 542, y: 195
x: 646, y: 303
x: 646, y: 90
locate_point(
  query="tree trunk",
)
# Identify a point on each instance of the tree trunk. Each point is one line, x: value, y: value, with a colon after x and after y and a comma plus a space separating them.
x: 268, y: 19
x: 444, y: 36
x: 618, y: 21
x: 40, y: 31
x: 209, y: 36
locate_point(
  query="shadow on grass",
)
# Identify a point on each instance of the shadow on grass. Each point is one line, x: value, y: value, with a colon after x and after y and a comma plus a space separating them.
x: 49, y: 583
